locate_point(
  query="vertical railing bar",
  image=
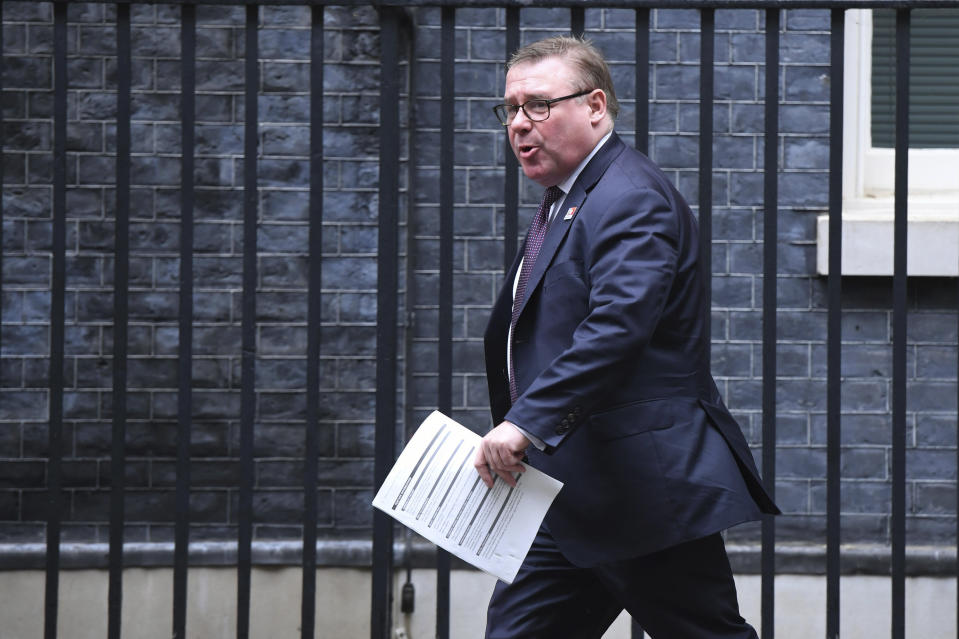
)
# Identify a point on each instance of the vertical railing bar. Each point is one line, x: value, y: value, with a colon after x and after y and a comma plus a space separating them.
x: 577, y: 20
x: 447, y: 95
x: 834, y: 325
x: 121, y: 276
x: 248, y: 361
x: 445, y: 364
x: 386, y: 316
x: 511, y: 184
x: 181, y: 546
x: 770, y: 275
x: 411, y: 246
x: 641, y: 135
x: 57, y: 318
x: 3, y: 142
x: 642, y: 79
x: 707, y: 42
x: 314, y: 313
x: 903, y: 18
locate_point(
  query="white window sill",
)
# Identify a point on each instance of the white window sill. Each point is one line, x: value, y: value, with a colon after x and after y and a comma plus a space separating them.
x: 867, y: 237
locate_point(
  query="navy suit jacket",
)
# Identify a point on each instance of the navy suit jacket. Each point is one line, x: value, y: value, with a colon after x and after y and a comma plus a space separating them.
x: 610, y: 355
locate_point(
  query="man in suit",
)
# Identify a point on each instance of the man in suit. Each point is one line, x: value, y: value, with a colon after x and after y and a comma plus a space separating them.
x: 596, y: 357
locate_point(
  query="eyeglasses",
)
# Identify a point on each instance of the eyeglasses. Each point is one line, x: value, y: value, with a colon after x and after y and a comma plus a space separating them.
x: 535, y: 110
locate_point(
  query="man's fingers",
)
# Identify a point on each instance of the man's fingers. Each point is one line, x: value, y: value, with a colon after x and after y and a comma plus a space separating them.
x: 497, y: 461
x: 498, y: 454
x: 500, y: 460
x: 502, y: 457
x: 479, y: 459
x: 506, y: 476
x: 510, y: 461
x: 479, y: 462
x: 506, y: 469
x: 485, y: 475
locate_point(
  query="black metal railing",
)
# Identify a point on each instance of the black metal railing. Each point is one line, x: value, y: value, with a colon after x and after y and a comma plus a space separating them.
x: 392, y: 24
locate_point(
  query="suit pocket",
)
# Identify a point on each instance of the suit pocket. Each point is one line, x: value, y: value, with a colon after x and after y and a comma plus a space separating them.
x: 564, y: 272
x: 565, y: 300
x: 640, y: 417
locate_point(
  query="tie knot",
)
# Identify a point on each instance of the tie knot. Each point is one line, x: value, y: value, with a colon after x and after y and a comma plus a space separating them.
x: 552, y: 194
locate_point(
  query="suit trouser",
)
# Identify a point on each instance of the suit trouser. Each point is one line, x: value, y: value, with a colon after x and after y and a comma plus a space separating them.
x: 683, y: 592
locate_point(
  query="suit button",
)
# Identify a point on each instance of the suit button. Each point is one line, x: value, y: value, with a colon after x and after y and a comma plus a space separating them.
x: 563, y: 428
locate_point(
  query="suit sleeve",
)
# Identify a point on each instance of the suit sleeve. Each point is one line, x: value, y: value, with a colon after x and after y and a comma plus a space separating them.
x: 632, y: 260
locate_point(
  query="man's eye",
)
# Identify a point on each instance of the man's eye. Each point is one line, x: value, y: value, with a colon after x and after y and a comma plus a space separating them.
x: 536, y: 105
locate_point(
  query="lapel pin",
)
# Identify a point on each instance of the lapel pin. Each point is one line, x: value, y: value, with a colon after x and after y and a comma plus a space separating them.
x: 569, y: 214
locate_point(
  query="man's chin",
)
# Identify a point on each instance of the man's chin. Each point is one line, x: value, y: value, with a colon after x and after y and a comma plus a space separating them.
x: 536, y: 174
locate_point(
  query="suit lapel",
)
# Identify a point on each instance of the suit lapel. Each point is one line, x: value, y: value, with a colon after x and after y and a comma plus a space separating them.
x: 559, y: 226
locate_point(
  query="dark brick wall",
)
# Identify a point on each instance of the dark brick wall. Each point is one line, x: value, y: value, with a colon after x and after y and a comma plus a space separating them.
x: 349, y: 269
x: 348, y: 329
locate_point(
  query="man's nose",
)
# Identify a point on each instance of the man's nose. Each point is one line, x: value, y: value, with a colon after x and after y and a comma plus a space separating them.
x: 520, y: 122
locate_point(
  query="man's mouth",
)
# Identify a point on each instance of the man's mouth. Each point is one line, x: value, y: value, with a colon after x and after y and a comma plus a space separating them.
x: 526, y: 150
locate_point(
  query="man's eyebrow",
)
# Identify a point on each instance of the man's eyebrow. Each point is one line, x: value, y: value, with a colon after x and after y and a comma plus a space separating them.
x: 530, y: 96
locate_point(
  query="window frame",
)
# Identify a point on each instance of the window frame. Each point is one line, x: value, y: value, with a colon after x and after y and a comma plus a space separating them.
x: 869, y: 172
x: 868, y: 180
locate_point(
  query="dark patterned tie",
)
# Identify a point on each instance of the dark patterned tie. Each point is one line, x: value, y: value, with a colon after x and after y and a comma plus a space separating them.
x: 534, y: 241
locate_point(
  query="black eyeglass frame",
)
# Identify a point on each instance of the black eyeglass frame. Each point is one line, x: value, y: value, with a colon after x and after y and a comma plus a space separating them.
x: 501, y: 109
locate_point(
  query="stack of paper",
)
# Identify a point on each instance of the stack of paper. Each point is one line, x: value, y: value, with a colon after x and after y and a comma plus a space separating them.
x: 434, y: 489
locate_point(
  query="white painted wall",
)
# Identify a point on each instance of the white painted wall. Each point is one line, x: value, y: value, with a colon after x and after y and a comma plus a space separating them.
x: 343, y: 602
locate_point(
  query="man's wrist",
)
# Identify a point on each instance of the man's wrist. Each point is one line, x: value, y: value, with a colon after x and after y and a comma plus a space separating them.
x: 534, y: 440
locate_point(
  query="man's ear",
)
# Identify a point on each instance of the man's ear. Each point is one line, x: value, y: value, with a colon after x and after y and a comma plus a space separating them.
x: 597, y: 106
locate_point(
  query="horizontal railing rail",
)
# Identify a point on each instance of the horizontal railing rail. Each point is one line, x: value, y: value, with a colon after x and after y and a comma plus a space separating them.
x: 570, y: 4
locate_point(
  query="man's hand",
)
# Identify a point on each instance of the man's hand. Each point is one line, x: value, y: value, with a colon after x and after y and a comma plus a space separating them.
x: 501, y: 452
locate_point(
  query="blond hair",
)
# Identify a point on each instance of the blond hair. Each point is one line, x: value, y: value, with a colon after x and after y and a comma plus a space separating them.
x: 592, y: 70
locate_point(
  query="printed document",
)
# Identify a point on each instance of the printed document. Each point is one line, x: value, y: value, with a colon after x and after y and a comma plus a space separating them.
x: 435, y: 490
